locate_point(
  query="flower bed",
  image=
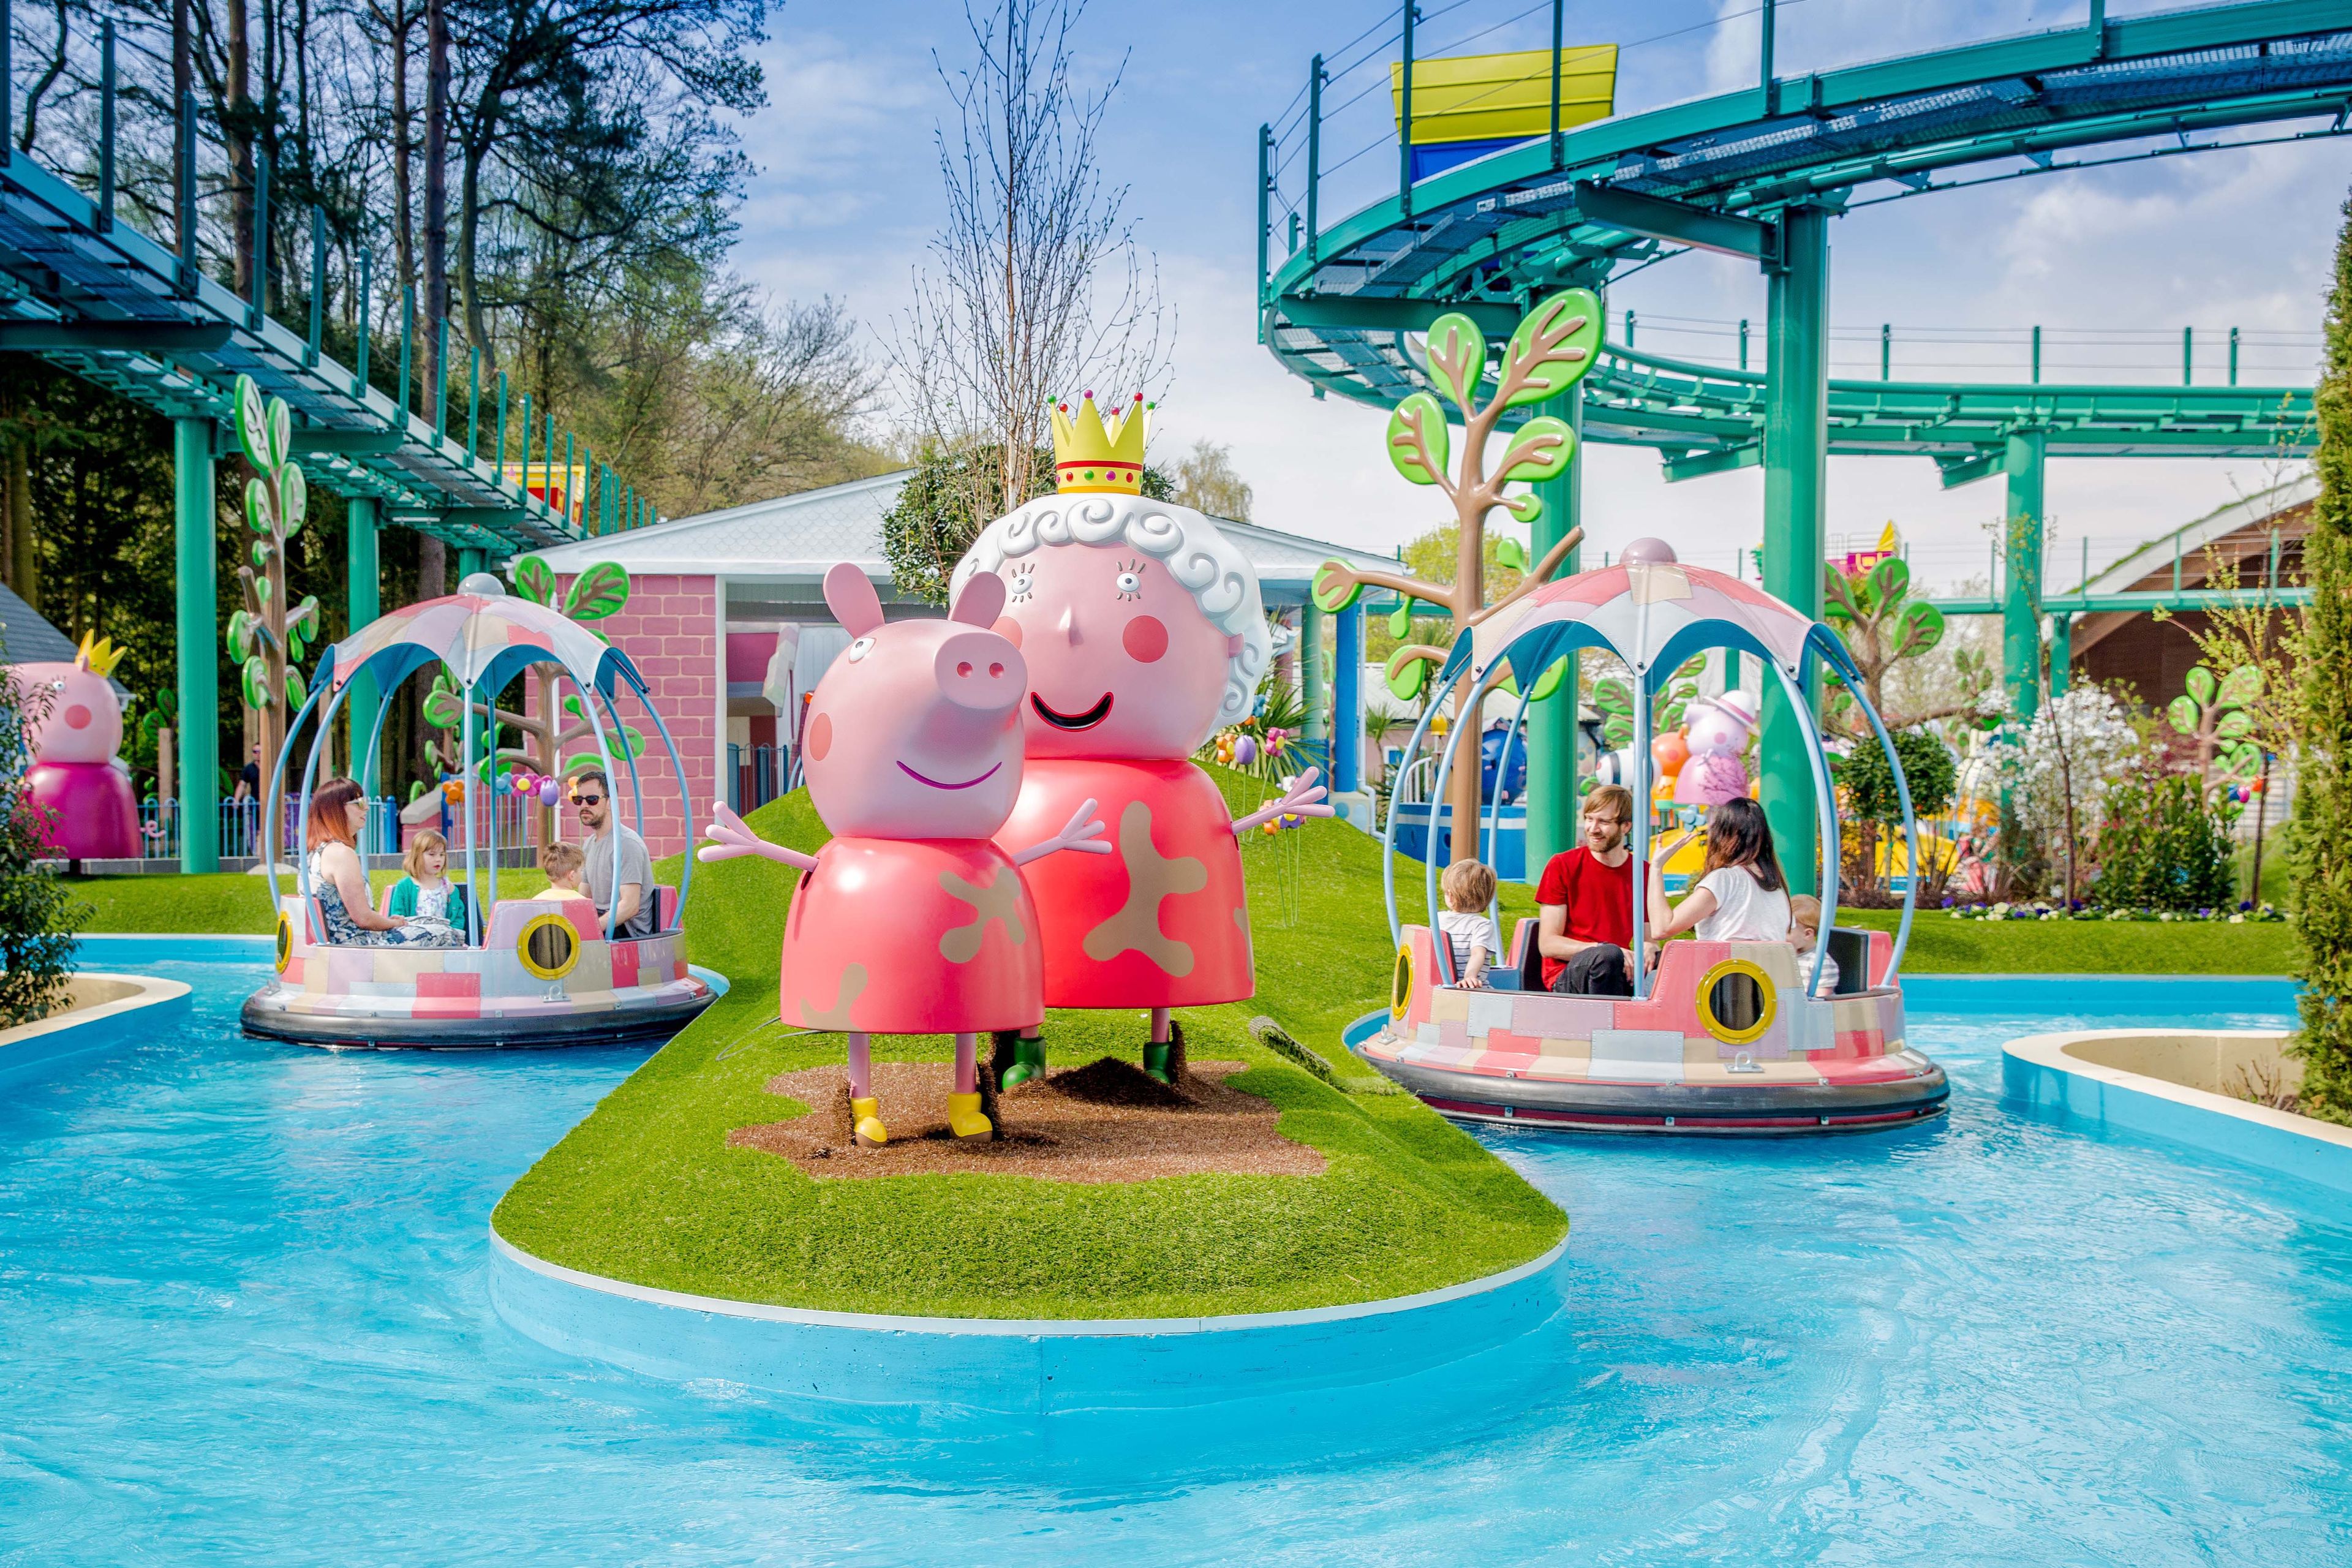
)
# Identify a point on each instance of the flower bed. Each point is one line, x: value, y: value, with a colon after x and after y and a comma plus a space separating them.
x: 2042, y: 909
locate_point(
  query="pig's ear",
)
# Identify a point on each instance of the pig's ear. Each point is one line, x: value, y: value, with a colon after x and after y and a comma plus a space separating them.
x: 850, y: 595
x: 980, y: 601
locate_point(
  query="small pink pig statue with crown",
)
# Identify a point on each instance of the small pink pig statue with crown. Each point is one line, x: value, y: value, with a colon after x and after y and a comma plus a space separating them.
x: 76, y: 775
x: 911, y: 920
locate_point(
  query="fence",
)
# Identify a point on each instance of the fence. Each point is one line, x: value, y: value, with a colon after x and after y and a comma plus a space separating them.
x: 758, y: 774
x: 241, y: 822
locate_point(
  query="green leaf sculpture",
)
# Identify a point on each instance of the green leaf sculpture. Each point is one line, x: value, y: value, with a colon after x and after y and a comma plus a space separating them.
x: 1418, y: 442
x: 1457, y: 360
x: 534, y: 579
x: 598, y: 591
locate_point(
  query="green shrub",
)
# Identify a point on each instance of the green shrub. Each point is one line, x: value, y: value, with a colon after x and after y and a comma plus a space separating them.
x: 2162, y: 847
x: 37, y: 916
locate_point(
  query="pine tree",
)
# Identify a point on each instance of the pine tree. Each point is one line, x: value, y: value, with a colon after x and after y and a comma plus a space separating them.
x: 2323, y: 802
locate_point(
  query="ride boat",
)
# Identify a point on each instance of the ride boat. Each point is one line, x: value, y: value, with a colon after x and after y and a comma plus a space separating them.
x: 1722, y: 1037
x: 534, y: 971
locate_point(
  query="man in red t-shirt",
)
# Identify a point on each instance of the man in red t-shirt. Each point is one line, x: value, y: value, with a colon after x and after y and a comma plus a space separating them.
x: 1586, y: 902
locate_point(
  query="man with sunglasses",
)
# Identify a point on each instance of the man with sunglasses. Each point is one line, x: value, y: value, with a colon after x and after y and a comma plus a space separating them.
x: 619, y: 874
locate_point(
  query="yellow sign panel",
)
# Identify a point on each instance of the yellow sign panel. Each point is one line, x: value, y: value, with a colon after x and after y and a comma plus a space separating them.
x: 564, y: 486
x: 1496, y: 97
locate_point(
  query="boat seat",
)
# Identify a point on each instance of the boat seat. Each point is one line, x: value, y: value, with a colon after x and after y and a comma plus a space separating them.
x: 1850, y: 951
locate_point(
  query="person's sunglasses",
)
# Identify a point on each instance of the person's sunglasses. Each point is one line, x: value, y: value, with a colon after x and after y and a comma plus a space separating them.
x: 579, y: 799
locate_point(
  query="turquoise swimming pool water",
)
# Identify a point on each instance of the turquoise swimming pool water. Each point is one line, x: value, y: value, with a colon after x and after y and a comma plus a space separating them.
x: 243, y: 1318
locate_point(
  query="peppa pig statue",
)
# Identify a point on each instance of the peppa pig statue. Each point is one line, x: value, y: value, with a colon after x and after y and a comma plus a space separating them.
x: 911, y: 920
x: 1716, y: 730
x: 76, y: 775
x: 1142, y: 632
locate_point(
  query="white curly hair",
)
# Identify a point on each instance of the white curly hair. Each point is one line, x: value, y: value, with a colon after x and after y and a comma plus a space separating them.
x: 1197, y: 555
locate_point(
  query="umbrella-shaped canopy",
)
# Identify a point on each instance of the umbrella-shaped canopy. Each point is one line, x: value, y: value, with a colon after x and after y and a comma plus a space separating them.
x: 1654, y: 615
x: 484, y: 634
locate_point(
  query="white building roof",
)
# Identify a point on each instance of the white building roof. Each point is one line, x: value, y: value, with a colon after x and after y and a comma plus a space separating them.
x: 798, y: 537
x: 2158, y: 553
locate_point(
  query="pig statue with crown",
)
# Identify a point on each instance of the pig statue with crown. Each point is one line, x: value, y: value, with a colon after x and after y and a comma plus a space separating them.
x: 1142, y: 632
x: 76, y: 777
x: 910, y: 921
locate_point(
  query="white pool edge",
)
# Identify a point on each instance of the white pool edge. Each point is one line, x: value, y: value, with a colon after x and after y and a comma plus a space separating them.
x: 2039, y: 1070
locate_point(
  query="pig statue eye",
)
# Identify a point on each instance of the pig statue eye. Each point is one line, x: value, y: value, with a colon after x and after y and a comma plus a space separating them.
x: 860, y: 648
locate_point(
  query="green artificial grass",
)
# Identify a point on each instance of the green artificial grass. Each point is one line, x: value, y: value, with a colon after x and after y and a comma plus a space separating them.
x: 1942, y: 945
x: 647, y: 1189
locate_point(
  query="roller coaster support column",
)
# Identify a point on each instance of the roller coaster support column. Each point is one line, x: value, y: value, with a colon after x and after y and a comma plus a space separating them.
x: 2062, y: 654
x: 1348, y: 704
x: 1552, y: 723
x: 363, y: 593
x: 2021, y: 596
x: 468, y: 563
x: 1312, y: 687
x: 1796, y: 463
x: 199, y: 644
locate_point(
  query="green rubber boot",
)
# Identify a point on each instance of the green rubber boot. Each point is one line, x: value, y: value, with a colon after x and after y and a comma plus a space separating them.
x: 1165, y: 1060
x: 1028, y: 1061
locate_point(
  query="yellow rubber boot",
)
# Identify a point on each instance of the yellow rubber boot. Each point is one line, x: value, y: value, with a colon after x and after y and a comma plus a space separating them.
x: 871, y: 1133
x: 964, y: 1119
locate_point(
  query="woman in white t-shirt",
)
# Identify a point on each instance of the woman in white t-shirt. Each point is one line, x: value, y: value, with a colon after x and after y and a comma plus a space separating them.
x: 1741, y: 895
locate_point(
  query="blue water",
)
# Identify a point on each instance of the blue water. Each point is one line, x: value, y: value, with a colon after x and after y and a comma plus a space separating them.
x: 243, y: 1318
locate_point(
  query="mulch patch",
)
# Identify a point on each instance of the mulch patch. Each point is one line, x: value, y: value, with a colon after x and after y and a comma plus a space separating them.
x: 1106, y: 1122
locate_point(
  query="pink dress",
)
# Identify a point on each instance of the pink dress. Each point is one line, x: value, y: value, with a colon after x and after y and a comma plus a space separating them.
x: 901, y: 936
x: 95, y: 816
x: 1163, y: 922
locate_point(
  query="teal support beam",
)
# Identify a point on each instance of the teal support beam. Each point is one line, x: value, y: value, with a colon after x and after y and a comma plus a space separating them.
x: 198, y: 644
x: 362, y: 587
x: 1347, y: 702
x: 2062, y: 654
x: 1552, y: 798
x: 2020, y: 589
x: 1312, y: 686
x: 468, y: 563
x: 1796, y: 473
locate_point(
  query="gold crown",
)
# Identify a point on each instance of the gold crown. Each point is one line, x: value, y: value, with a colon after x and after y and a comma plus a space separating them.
x: 100, y: 658
x: 1089, y: 458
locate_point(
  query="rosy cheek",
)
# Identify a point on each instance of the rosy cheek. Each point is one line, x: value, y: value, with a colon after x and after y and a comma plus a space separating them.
x: 1145, y: 639
x: 1008, y: 628
x: 820, y: 737
x: 77, y: 717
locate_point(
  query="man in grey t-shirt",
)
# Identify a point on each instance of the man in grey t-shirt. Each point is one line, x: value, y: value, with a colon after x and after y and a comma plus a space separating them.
x: 619, y: 874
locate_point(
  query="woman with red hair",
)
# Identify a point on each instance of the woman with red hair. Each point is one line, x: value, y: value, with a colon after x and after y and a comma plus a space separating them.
x: 337, y: 881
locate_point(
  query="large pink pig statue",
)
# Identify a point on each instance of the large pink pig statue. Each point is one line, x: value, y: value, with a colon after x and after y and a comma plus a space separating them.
x: 1143, y: 630
x: 76, y: 775
x: 911, y: 920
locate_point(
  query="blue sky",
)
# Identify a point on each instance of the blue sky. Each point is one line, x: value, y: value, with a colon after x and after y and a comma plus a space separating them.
x: 847, y: 195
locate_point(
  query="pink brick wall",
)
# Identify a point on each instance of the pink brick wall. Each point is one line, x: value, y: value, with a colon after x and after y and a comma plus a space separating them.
x: 668, y: 629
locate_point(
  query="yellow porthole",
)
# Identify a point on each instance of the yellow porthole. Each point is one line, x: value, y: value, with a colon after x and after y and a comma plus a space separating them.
x: 1400, y: 988
x: 285, y: 942
x: 549, y: 947
x: 1736, y: 1002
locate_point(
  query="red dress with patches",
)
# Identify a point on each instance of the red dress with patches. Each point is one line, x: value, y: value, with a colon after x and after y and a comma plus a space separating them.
x: 1163, y: 922
x: 901, y: 936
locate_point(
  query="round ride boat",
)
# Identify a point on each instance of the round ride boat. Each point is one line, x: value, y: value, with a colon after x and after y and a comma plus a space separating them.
x: 1723, y: 1037
x: 531, y: 972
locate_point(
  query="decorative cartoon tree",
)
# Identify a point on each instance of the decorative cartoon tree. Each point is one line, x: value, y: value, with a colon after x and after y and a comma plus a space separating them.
x: 1552, y: 348
x: 267, y: 636
x: 2213, y: 713
x: 1882, y: 626
x: 559, y: 720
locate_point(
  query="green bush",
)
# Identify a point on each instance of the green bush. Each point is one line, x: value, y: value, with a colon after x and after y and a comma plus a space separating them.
x: 37, y: 915
x: 1927, y: 768
x: 2162, y: 847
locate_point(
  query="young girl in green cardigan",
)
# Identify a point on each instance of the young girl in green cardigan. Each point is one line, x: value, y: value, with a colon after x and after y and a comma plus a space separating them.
x: 426, y: 895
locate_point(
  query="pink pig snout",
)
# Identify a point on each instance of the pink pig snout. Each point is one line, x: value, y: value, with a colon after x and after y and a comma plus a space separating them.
x: 981, y: 671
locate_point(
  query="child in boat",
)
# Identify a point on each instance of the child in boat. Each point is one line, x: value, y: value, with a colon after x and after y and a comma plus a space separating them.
x: 1469, y: 888
x: 563, y: 862
x: 1804, y: 929
x: 425, y: 895
x: 1740, y: 896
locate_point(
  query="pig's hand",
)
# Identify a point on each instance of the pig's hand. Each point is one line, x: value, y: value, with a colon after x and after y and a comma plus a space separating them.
x: 731, y: 839
x: 1082, y: 832
x: 1305, y: 799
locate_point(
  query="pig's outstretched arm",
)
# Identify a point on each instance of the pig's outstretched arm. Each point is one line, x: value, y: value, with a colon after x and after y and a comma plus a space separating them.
x: 1305, y: 799
x: 730, y: 839
x: 1082, y: 832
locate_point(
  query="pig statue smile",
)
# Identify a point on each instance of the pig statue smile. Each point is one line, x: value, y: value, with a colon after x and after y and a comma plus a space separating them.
x: 911, y: 920
x: 1141, y: 630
